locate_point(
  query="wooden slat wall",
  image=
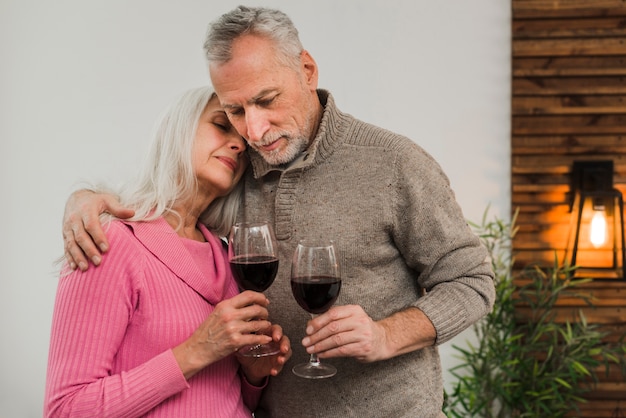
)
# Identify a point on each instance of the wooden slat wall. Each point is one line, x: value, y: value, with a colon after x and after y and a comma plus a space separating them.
x: 568, y: 103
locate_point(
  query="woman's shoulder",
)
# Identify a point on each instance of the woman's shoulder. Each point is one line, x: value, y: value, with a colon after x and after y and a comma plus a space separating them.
x: 122, y: 238
x: 123, y: 256
x: 117, y: 229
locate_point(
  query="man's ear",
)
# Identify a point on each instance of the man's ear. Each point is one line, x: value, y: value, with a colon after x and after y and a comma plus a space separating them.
x: 309, y: 68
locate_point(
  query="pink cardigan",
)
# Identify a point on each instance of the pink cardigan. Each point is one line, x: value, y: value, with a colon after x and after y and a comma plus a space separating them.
x: 114, y: 326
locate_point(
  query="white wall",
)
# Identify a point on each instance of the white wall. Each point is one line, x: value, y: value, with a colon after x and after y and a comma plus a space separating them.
x: 83, y: 81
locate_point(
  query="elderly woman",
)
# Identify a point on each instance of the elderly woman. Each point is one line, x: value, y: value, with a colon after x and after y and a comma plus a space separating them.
x: 154, y: 329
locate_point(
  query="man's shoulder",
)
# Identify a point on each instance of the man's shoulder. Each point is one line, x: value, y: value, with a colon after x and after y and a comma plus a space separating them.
x: 365, y: 134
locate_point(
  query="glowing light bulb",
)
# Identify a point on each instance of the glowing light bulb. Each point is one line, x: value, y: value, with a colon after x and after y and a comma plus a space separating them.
x: 598, y: 229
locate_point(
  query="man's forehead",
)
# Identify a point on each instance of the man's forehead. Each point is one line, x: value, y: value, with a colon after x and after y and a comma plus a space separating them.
x: 252, y: 72
x: 242, y: 85
x: 245, y: 98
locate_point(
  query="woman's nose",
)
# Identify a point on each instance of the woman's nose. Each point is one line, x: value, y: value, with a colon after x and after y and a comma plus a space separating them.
x: 238, y: 144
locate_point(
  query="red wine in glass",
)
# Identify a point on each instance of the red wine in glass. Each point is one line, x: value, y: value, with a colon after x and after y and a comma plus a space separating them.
x: 315, y: 284
x: 252, y: 254
x: 316, y: 294
x: 256, y: 272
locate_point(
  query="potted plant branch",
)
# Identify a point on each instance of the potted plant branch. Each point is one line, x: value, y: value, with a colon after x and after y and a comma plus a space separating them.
x: 526, y: 362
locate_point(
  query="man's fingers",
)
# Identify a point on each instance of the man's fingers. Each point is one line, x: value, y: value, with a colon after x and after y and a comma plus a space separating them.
x: 81, y: 246
x: 114, y: 207
x: 73, y: 254
x: 91, y: 237
x: 70, y: 259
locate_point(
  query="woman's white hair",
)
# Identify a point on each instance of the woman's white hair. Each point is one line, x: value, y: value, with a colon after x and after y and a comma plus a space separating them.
x: 168, y: 176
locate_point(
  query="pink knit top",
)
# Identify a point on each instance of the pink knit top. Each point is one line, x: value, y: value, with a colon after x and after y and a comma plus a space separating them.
x: 114, y: 326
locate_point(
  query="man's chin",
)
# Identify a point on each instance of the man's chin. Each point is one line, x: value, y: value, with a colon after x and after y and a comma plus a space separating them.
x: 273, y: 159
x: 276, y: 157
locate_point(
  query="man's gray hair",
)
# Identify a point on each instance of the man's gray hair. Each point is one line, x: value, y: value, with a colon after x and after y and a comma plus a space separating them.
x: 268, y: 23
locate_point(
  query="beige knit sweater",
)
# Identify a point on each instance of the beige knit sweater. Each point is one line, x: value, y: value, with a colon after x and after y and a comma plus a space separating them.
x: 398, y: 229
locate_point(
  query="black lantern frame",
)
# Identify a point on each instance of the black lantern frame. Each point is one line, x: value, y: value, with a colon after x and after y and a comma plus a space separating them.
x: 596, y: 241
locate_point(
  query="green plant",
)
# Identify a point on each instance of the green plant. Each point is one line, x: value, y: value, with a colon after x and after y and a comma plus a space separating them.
x: 525, y: 362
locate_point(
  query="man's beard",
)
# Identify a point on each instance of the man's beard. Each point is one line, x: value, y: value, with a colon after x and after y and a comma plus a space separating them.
x: 297, y: 142
x: 295, y: 146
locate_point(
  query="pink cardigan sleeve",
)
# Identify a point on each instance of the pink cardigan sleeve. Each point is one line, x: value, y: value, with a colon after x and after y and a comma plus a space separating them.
x: 91, y: 313
x: 251, y: 394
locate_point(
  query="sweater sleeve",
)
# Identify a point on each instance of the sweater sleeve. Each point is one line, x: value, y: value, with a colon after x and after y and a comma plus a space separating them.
x: 251, y: 394
x: 92, y: 311
x: 436, y: 241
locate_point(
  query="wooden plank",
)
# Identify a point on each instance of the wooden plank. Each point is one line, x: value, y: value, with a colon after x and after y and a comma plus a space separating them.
x: 543, y: 254
x: 568, y: 72
x: 609, y: 390
x: 554, y: 167
x: 529, y: 235
x: 568, y: 86
x: 571, y: 65
x: 572, y: 28
x: 536, y: 163
x: 555, y: 216
x: 601, y: 302
x: 616, y: 331
x: 543, y: 238
x: 531, y: 211
x: 564, y: 5
x: 544, y: 257
x: 599, y: 407
x: 545, y: 187
x: 563, y: 125
x: 610, y: 373
x: 595, y: 315
x: 561, y: 164
x: 524, y: 144
x: 540, y: 185
x: 569, y: 104
x: 602, y: 297
x: 538, y: 230
x: 606, y: 408
x: 559, y: 140
x: 547, y: 199
x: 551, y: 239
x: 547, y: 9
x: 521, y: 281
x: 569, y: 47
x: 557, y: 164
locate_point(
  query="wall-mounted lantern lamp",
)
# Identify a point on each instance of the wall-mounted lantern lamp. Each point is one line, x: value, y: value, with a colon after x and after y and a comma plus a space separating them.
x: 596, y: 240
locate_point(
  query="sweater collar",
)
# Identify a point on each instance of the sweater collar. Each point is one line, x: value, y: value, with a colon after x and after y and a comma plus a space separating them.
x: 329, y: 135
x: 163, y: 242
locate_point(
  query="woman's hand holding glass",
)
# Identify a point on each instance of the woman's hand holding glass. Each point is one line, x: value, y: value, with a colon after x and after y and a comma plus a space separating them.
x: 232, y: 324
x: 257, y: 368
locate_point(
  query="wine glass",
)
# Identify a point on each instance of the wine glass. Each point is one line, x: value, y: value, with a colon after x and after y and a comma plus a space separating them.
x: 315, y: 284
x: 252, y: 254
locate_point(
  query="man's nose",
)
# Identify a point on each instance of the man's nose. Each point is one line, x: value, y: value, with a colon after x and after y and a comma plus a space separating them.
x: 256, y: 125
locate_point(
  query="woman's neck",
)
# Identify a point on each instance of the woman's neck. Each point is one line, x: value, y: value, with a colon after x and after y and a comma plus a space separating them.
x: 186, y: 226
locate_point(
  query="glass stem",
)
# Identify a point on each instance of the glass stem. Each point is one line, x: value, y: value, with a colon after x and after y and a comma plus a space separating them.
x: 314, y: 361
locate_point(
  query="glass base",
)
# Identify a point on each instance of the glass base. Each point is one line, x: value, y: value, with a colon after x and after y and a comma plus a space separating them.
x: 259, y: 350
x: 314, y: 370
